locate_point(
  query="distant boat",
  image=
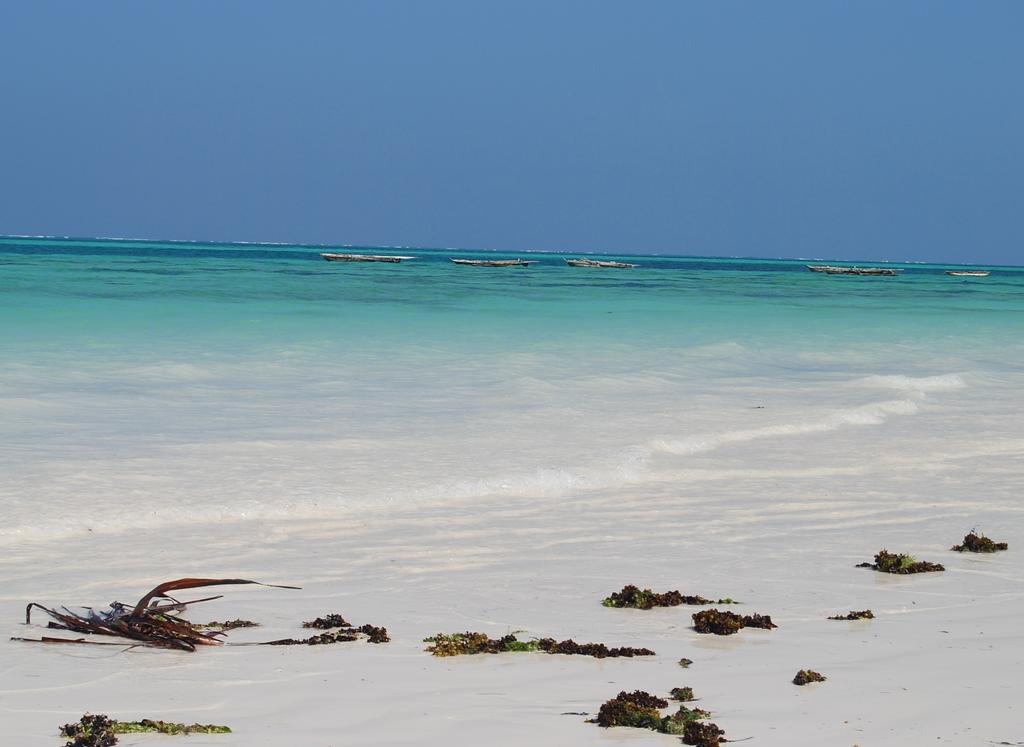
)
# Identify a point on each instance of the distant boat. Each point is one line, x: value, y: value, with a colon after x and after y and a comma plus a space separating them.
x: 494, y: 262
x: 363, y: 258
x: 836, y: 270
x: 582, y: 262
x: 968, y: 273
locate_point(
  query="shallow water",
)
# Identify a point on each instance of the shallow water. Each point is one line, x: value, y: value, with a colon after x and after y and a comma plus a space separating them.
x: 142, y: 383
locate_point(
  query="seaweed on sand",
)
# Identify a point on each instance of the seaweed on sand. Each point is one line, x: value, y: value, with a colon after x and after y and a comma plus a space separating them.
x: 469, y: 643
x: 102, y: 731
x: 226, y: 625
x: 806, y: 676
x: 635, y: 598
x: 327, y: 622
x: 727, y: 623
x: 641, y: 710
x: 979, y: 543
x: 371, y: 633
x: 855, y: 615
x: 637, y: 709
x: 336, y: 636
x: 685, y: 663
x: 888, y: 562
x: 703, y: 734
x: 90, y: 731
x: 683, y: 694
x: 153, y: 621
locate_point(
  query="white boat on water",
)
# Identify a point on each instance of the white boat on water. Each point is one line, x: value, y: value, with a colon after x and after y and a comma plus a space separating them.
x: 494, y: 262
x: 363, y: 257
x: 583, y: 262
x: 968, y: 273
x: 837, y: 270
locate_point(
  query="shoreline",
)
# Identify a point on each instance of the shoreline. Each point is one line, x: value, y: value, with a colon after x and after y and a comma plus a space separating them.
x: 529, y: 564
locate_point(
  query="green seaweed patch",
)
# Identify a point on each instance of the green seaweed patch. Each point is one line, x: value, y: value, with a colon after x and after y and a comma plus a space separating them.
x: 676, y: 723
x: 682, y: 694
x: 726, y: 623
x: 149, y: 726
x: 888, y: 562
x: 806, y: 676
x: 470, y: 643
x: 855, y: 615
x: 975, y: 543
x: 327, y: 622
x: 101, y: 731
x: 370, y: 633
x: 226, y: 625
x: 645, y: 599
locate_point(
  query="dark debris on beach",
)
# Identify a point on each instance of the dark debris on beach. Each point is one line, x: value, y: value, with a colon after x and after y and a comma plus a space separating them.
x: 979, y: 543
x: 344, y: 634
x: 154, y: 621
x: 327, y: 622
x: 644, y: 599
x: 469, y: 643
x: 226, y: 625
x: 726, y: 623
x: 806, y: 676
x: 888, y: 562
x: 855, y: 615
x: 641, y: 710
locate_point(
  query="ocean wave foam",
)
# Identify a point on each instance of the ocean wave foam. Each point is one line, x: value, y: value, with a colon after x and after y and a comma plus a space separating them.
x: 874, y: 413
x: 915, y: 384
x: 310, y: 496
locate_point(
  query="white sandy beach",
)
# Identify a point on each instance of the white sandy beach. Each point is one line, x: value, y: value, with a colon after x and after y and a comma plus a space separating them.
x: 778, y: 523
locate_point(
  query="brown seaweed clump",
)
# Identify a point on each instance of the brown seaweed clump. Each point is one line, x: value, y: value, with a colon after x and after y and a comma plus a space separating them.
x: 637, y: 709
x: 640, y: 710
x: 469, y: 643
x: 888, y: 562
x: 327, y: 622
x: 371, y: 633
x: 90, y: 731
x: 973, y: 543
x: 727, y: 623
x: 805, y: 676
x: 337, y: 636
x: 597, y: 650
x: 635, y: 598
x: 703, y: 734
x: 685, y: 663
x: 375, y: 634
x: 855, y: 615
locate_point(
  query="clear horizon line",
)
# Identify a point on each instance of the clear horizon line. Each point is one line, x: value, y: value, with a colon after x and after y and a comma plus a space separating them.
x: 495, y: 251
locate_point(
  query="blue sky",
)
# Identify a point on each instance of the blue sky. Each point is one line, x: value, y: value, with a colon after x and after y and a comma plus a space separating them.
x: 841, y: 129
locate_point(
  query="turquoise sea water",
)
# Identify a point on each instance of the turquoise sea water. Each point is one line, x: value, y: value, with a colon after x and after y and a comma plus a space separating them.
x: 241, y: 380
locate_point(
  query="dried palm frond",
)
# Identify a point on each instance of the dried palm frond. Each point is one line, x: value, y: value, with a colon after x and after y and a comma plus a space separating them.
x: 153, y: 621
